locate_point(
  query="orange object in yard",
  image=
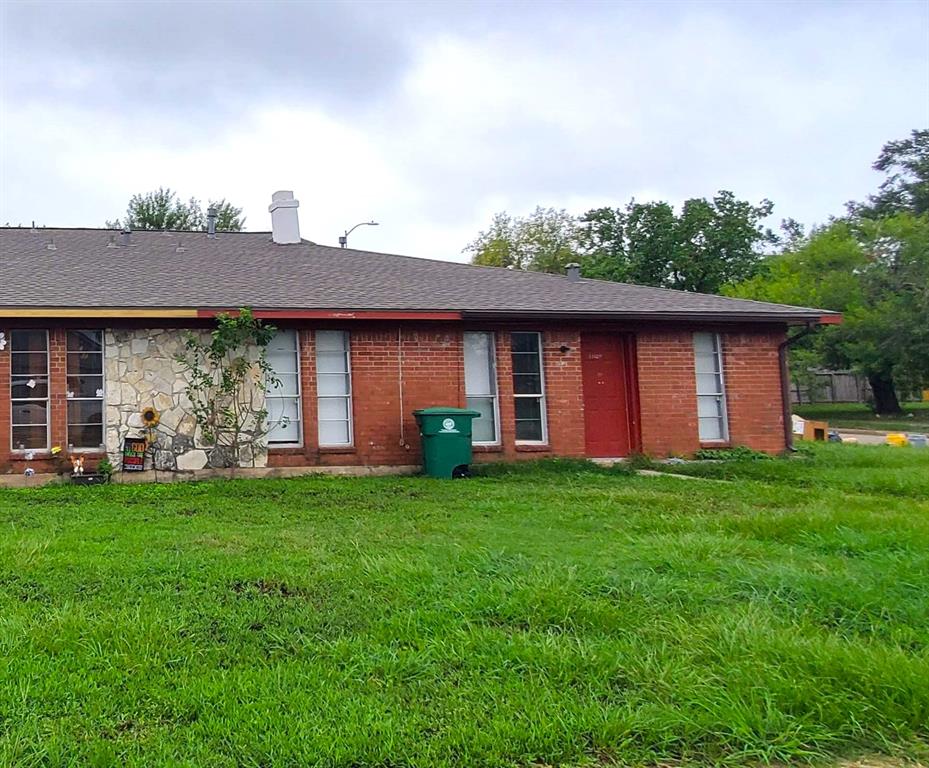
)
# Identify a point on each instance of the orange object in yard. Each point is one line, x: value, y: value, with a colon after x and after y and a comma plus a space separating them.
x: 926, y: 395
x: 815, y: 430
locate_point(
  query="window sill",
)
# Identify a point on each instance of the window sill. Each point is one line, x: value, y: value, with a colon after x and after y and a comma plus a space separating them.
x: 337, y: 449
x: 495, y: 448
x: 533, y: 447
x: 285, y: 450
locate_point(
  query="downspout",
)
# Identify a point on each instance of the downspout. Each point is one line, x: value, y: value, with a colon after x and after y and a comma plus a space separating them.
x: 400, y: 382
x: 785, y: 382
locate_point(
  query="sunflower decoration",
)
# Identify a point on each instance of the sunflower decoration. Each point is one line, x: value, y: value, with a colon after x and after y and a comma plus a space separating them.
x: 150, y: 417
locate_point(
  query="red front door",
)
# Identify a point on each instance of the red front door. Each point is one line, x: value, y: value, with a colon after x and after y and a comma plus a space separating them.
x: 609, y: 419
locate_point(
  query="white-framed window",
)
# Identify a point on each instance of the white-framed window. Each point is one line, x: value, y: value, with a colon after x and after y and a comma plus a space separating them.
x: 711, y: 388
x: 528, y: 387
x: 85, y: 388
x: 480, y: 371
x: 283, y: 397
x: 29, y: 390
x: 334, y: 388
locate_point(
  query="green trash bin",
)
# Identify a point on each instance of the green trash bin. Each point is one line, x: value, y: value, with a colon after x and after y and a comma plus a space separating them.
x: 446, y: 439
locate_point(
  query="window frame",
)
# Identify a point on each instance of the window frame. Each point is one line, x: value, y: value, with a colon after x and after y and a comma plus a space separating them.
x: 48, y: 394
x: 348, y: 397
x: 101, y: 446
x: 721, y: 398
x: 541, y: 397
x: 495, y: 396
x: 298, y: 397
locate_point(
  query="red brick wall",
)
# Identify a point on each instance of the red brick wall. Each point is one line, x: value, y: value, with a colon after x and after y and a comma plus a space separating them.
x: 433, y: 374
x: 667, y: 392
x: 5, y: 408
x: 57, y: 387
x: 432, y: 365
x: 668, y: 399
x: 564, y: 391
x: 753, y: 389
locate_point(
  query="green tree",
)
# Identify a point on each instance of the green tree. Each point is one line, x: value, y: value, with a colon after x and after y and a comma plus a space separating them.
x: 544, y: 241
x: 708, y: 244
x: 906, y: 188
x: 874, y: 271
x: 163, y: 209
x: 601, y: 243
x: 497, y: 246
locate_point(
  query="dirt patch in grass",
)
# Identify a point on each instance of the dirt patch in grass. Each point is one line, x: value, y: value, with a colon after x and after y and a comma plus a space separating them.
x: 266, y: 588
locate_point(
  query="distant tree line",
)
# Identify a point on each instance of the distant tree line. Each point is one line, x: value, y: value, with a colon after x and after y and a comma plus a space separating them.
x: 871, y: 264
x: 701, y: 248
x: 164, y: 209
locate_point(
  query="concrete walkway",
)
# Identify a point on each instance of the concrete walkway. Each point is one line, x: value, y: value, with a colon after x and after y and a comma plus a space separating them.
x: 873, y: 436
x: 864, y: 436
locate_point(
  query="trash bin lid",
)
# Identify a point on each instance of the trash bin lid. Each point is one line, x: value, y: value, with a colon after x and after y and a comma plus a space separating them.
x: 439, y: 410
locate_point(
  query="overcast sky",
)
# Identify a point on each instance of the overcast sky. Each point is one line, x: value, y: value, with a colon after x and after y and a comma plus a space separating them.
x: 429, y: 117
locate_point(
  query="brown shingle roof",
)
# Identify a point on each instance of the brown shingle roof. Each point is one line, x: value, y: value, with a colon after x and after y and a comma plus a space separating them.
x: 188, y: 269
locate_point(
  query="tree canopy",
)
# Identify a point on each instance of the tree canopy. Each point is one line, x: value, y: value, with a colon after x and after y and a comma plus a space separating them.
x: 544, y: 241
x: 874, y: 271
x: 708, y: 244
x: 163, y: 209
x: 873, y: 266
x: 906, y: 188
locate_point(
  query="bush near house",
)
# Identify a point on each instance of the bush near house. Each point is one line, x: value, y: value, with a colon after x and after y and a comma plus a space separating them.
x: 561, y: 614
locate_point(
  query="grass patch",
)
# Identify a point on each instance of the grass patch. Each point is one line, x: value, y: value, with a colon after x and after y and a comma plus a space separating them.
x: 560, y: 613
x: 860, y: 416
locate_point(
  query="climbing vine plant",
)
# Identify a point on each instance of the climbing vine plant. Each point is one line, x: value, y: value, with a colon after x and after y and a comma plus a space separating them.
x: 228, y: 375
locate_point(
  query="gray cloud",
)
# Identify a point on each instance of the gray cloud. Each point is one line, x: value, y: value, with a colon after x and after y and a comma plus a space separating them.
x: 432, y: 115
x: 186, y: 60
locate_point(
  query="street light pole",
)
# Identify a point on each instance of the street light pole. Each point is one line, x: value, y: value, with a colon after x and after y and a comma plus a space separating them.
x: 343, y: 239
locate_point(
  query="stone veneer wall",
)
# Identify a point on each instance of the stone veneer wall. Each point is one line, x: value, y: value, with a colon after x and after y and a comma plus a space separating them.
x: 142, y: 370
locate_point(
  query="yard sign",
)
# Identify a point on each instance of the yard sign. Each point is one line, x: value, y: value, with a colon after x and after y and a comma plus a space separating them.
x: 134, y: 449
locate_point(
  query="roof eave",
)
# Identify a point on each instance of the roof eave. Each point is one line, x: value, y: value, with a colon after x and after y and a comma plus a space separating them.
x: 790, y: 318
x: 793, y: 318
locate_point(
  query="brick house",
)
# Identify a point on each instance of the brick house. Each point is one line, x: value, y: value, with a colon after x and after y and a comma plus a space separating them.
x: 91, y: 322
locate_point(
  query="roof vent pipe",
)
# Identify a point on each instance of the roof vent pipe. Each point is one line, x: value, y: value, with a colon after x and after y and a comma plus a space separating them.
x: 573, y: 271
x: 125, y: 237
x: 211, y: 221
x: 285, y: 226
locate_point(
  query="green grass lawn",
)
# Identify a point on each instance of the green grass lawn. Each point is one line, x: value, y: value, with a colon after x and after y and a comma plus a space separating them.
x: 860, y: 416
x: 558, y: 614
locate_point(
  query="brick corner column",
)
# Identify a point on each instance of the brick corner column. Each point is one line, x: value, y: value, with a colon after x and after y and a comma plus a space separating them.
x: 57, y: 387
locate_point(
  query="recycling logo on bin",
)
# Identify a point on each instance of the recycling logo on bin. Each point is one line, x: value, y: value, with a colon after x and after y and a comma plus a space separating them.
x: 448, y: 425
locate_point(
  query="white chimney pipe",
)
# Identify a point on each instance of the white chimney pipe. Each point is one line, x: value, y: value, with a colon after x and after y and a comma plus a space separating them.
x: 285, y: 225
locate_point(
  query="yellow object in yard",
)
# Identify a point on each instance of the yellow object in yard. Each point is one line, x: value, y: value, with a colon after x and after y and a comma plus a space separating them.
x: 926, y: 395
x: 898, y: 439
